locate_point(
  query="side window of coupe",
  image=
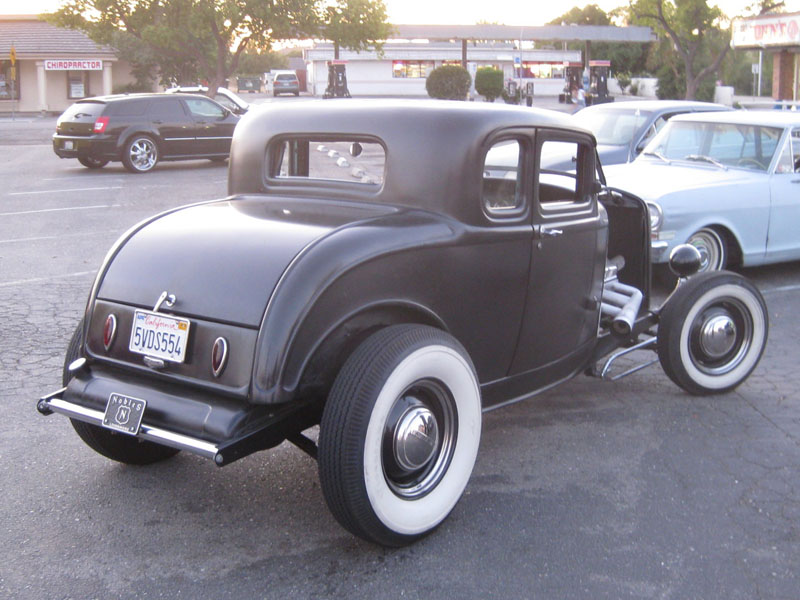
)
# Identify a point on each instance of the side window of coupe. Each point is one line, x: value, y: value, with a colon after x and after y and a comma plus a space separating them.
x: 564, y: 183
x: 502, y: 189
x: 789, y: 161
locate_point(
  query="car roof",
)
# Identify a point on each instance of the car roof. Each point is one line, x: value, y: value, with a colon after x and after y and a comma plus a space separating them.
x: 777, y: 118
x: 656, y: 106
x: 432, y: 146
x: 134, y: 96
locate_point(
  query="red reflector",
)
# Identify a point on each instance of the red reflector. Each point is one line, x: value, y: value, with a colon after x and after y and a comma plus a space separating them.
x: 100, y: 124
x: 109, y: 331
x: 219, y: 356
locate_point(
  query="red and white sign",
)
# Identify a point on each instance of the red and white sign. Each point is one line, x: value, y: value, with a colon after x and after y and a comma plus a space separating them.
x: 72, y: 64
x: 775, y: 30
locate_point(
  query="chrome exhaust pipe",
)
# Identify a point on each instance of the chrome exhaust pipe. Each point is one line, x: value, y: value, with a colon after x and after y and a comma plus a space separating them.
x: 621, y: 303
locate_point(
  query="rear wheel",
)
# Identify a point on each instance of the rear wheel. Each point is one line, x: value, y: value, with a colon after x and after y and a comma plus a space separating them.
x: 712, y: 333
x: 92, y: 163
x: 116, y: 446
x: 400, y: 434
x: 140, y: 154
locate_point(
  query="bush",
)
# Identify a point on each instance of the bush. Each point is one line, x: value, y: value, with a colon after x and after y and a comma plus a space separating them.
x: 624, y: 80
x: 133, y: 88
x: 489, y: 83
x: 671, y: 87
x: 449, y: 82
x: 633, y: 90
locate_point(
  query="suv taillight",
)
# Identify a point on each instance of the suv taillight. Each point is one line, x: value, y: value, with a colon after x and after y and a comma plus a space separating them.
x: 100, y: 124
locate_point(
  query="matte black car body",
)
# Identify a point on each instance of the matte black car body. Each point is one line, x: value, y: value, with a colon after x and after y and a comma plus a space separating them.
x: 304, y: 291
x: 181, y: 127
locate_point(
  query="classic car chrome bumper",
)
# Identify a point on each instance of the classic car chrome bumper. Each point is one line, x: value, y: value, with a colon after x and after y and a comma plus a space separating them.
x: 53, y: 403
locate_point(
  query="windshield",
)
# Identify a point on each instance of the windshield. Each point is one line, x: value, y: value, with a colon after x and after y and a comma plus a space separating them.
x: 722, y: 144
x: 613, y: 127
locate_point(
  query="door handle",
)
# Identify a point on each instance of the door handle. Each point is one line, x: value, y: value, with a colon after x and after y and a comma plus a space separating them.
x: 547, y: 232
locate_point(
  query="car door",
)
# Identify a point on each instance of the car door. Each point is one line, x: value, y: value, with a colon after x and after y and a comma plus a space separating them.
x: 567, y: 255
x: 174, y: 126
x: 213, y: 126
x: 783, y: 243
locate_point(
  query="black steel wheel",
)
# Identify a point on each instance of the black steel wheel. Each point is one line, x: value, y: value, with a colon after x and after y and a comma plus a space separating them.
x: 400, y: 434
x: 140, y: 154
x: 116, y: 446
x: 92, y: 163
x: 712, y: 332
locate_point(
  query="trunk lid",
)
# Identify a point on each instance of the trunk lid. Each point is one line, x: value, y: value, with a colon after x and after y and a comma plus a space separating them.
x: 222, y: 260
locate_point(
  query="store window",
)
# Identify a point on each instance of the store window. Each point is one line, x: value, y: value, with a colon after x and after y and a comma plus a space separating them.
x: 7, y: 90
x: 412, y: 69
x: 77, y: 84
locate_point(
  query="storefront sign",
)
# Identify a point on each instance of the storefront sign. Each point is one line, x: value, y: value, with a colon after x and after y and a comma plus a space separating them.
x: 781, y: 30
x: 73, y: 65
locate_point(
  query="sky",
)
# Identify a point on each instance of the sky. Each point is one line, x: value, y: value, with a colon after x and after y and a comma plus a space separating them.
x: 452, y: 12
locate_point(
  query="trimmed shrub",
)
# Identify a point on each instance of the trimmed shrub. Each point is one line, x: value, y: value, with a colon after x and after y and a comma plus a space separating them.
x: 489, y: 83
x: 448, y: 82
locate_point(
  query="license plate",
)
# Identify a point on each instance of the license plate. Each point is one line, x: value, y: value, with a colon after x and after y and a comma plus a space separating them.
x: 159, y: 336
x: 124, y: 413
x: 68, y: 145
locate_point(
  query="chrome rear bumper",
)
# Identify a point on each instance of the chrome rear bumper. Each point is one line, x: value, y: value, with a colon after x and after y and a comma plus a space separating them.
x: 54, y: 403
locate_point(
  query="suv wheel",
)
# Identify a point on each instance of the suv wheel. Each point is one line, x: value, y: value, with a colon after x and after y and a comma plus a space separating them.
x: 140, y: 154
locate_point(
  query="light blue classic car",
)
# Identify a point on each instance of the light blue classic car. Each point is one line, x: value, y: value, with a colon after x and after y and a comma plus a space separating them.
x: 728, y: 183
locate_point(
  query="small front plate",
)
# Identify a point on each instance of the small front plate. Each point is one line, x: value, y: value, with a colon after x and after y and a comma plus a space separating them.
x: 124, y: 414
x: 68, y: 145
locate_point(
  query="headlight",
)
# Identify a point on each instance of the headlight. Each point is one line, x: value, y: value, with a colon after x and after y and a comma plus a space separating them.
x: 656, y: 216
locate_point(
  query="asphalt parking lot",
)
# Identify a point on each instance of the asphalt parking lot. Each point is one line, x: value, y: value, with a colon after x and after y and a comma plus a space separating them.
x: 631, y: 489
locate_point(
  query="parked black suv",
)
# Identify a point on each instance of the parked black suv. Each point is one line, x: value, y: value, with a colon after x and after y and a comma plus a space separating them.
x: 142, y: 129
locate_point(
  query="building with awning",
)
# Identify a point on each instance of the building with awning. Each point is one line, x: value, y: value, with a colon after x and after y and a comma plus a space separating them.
x: 780, y: 35
x: 414, y: 50
x: 53, y: 66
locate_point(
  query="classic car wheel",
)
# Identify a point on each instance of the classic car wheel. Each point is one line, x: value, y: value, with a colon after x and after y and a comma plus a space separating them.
x: 399, y: 434
x: 140, y: 154
x: 713, y: 251
x: 116, y: 446
x: 712, y: 332
x: 92, y: 163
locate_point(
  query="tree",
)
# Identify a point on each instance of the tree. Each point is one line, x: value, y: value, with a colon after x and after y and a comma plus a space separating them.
x: 489, y: 83
x: 692, y: 28
x: 208, y: 37
x: 448, y: 82
x: 357, y: 25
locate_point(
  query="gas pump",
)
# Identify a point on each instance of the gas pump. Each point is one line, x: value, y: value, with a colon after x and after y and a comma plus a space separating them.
x: 337, y: 80
x: 599, y: 71
x: 573, y: 74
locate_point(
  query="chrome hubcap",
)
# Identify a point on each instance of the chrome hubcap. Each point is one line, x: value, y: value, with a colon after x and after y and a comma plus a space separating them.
x: 718, y: 335
x: 143, y: 154
x: 419, y: 439
x: 415, y: 438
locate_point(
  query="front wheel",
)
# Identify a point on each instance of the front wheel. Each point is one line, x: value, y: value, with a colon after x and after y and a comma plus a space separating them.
x: 140, y: 154
x: 92, y: 163
x: 400, y: 434
x: 712, y: 332
x: 712, y: 247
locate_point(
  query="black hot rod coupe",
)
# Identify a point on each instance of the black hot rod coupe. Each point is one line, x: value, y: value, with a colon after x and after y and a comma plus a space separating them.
x: 381, y: 269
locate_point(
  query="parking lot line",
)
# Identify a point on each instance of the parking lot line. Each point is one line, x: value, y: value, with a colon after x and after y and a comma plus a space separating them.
x: 45, y: 238
x: 783, y: 288
x: 42, y: 279
x: 115, y: 187
x: 45, y: 210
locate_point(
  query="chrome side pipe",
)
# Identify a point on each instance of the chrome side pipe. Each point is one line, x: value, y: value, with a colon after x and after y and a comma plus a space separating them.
x: 622, y: 303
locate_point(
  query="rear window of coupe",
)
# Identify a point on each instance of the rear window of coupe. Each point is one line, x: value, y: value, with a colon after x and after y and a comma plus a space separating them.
x: 324, y: 159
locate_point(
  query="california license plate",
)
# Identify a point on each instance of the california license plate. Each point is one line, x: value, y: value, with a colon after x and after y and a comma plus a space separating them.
x: 68, y: 145
x: 159, y: 336
x: 124, y: 413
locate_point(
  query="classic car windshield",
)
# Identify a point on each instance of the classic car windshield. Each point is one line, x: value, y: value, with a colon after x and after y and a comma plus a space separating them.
x: 613, y: 127
x: 723, y: 144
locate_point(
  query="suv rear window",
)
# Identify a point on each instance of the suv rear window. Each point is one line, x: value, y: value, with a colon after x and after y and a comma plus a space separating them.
x: 128, y: 108
x: 82, y: 110
x: 286, y: 77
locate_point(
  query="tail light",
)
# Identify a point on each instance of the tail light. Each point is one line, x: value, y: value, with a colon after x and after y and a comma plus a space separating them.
x: 219, y: 356
x: 100, y: 124
x: 109, y: 331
